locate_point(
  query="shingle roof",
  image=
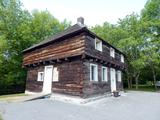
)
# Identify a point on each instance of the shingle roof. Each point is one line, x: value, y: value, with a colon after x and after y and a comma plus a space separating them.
x: 72, y: 29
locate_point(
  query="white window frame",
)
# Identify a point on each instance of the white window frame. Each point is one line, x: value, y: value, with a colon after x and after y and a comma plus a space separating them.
x: 119, y: 76
x: 100, y: 43
x: 96, y: 72
x: 39, y: 75
x: 55, y: 77
x: 106, y: 74
x: 112, y: 52
x: 122, y: 58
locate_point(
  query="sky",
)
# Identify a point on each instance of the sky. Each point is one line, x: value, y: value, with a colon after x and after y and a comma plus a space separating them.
x: 93, y: 11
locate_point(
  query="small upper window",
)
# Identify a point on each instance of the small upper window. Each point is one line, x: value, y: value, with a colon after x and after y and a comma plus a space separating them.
x: 122, y: 58
x: 98, y: 44
x: 40, y: 76
x: 104, y: 74
x: 93, y: 72
x: 112, y: 52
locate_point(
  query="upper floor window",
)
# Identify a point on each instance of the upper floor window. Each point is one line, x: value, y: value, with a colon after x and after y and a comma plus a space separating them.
x: 122, y: 58
x: 98, y: 44
x: 40, y: 76
x: 112, y: 52
x: 93, y: 72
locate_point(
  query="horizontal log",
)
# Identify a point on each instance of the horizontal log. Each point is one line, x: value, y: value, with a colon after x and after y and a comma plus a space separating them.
x: 57, y: 46
x: 52, y: 51
x: 60, y: 55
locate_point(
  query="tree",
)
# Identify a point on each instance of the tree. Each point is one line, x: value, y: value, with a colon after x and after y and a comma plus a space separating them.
x: 151, y: 31
x: 44, y: 25
x: 19, y: 30
x: 127, y: 36
x: 111, y: 33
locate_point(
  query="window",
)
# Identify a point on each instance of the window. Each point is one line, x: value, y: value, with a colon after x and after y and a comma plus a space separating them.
x: 112, y: 52
x: 119, y: 75
x: 122, y: 58
x: 55, y: 74
x: 40, y: 76
x: 104, y: 74
x: 98, y: 44
x: 93, y: 72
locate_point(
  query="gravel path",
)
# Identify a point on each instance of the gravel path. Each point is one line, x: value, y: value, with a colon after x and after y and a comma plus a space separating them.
x: 130, y: 106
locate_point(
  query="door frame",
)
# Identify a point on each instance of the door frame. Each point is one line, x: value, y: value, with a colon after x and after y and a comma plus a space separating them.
x: 47, y: 84
x: 113, y: 79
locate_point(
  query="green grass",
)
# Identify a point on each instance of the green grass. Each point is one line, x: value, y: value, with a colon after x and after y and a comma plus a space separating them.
x: 147, y: 88
x: 12, y: 95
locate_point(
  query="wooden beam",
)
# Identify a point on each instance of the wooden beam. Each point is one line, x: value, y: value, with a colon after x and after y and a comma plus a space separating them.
x: 83, y: 56
x: 101, y: 61
x: 58, y: 60
x: 66, y: 59
x: 96, y: 59
x: 34, y: 64
x: 91, y: 60
x: 51, y: 62
x: 44, y: 62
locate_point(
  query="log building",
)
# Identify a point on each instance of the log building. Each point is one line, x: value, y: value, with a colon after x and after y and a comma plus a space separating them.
x: 75, y: 62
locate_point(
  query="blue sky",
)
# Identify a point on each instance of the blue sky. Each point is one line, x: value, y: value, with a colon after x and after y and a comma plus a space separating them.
x: 93, y: 11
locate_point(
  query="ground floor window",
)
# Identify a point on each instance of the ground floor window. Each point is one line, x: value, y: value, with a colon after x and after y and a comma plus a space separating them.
x: 93, y: 72
x: 104, y: 74
x: 55, y: 74
x: 40, y: 76
x: 119, y: 75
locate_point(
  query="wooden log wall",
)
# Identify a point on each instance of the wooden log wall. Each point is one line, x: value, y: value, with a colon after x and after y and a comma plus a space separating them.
x: 95, y: 87
x: 70, y: 78
x: 104, y: 56
x: 31, y: 82
x: 98, y: 87
x: 63, y: 48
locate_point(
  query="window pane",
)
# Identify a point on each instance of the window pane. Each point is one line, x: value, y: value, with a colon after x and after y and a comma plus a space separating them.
x: 103, y: 74
x: 98, y: 44
x: 93, y: 72
x: 40, y: 76
x: 55, y: 74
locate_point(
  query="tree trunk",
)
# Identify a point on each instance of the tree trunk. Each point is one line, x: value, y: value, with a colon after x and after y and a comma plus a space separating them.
x: 131, y: 82
x: 136, y: 80
x: 128, y: 80
x: 154, y: 77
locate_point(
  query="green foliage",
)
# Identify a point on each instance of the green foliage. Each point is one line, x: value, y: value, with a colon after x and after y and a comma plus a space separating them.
x: 139, y: 38
x: 20, y: 29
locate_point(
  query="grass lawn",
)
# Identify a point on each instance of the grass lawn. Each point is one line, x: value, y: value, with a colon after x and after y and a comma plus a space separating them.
x: 12, y: 96
x: 142, y: 88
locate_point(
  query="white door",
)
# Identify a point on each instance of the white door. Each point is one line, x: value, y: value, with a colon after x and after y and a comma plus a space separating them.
x: 113, y: 79
x: 47, y: 83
